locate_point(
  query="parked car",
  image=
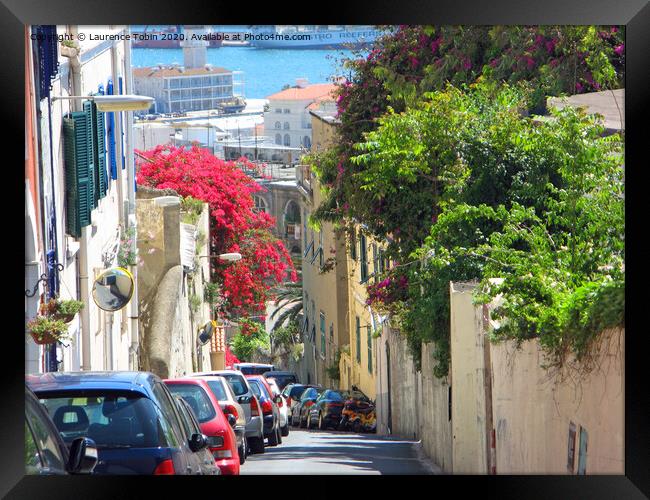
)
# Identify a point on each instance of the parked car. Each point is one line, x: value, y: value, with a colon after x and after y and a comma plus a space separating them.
x: 253, y: 368
x: 229, y: 405
x: 45, y: 450
x: 326, y: 410
x: 282, y: 406
x: 283, y: 378
x: 270, y: 410
x: 131, y: 416
x: 197, y: 439
x: 307, y: 398
x: 214, y: 424
x: 292, y: 393
x: 252, y: 409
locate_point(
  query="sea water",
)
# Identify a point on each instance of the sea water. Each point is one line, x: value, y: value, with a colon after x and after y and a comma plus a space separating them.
x: 265, y: 71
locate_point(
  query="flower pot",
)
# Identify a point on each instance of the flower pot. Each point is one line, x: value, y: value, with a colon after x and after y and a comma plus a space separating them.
x: 66, y: 318
x: 47, y: 338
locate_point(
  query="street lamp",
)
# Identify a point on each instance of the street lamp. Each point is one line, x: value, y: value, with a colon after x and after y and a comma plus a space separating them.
x: 109, y: 103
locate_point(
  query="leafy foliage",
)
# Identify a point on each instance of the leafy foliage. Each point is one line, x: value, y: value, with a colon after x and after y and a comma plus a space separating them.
x: 250, y: 339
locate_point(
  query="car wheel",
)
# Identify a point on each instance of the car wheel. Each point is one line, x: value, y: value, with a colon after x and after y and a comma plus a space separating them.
x: 285, y: 430
x: 242, y: 452
x: 321, y: 423
x: 357, y: 426
x: 256, y: 444
x: 308, y: 421
x: 279, y: 435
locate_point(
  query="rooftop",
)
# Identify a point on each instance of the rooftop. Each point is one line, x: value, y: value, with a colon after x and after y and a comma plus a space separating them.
x: 609, y: 103
x: 170, y: 71
x: 311, y: 92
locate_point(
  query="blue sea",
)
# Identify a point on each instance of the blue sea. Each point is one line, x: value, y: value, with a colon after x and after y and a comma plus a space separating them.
x: 264, y: 71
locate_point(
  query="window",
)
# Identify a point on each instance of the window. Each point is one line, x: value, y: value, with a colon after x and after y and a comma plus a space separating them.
x: 306, y: 141
x: 287, y: 140
x: 278, y: 110
x: 278, y: 139
x: 286, y: 126
x: 358, y: 330
x: 353, y: 245
x: 364, y: 258
x: 320, y: 247
x: 287, y: 111
x: 236, y: 383
x: 278, y: 125
x: 218, y: 389
x: 196, y: 398
x: 260, y: 204
x: 322, y: 333
x: 42, y: 441
x: 369, y: 332
x: 375, y: 263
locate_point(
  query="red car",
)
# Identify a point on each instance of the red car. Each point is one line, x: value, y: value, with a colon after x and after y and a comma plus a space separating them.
x: 214, y: 424
x: 270, y: 409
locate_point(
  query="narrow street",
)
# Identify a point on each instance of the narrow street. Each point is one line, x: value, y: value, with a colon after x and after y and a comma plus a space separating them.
x: 332, y: 452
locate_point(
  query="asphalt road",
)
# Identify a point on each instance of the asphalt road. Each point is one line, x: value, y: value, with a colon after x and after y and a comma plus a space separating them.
x: 333, y: 452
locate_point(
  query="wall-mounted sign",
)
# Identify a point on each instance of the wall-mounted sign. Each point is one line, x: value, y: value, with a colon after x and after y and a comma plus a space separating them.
x: 113, y: 289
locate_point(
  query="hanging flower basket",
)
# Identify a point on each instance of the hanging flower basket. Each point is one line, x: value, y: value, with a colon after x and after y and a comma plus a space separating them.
x: 47, y: 330
x: 64, y: 310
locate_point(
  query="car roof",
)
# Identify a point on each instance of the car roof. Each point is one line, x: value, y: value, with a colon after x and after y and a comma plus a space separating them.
x: 141, y: 382
x: 217, y: 372
x: 279, y: 372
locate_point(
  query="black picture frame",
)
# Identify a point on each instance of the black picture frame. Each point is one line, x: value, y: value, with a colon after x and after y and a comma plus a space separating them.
x: 635, y: 14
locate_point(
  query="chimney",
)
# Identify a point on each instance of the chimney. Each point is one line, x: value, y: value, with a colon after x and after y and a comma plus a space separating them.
x: 302, y: 83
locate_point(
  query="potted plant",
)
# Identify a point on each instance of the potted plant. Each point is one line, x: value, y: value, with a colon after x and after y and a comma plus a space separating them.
x: 69, y: 48
x: 47, y: 330
x: 64, y: 310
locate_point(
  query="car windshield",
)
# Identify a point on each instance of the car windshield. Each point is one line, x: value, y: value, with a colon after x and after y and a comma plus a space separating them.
x: 237, y: 383
x: 296, y: 391
x: 196, y: 398
x: 255, y: 370
x: 218, y: 389
x: 111, y: 420
x: 259, y: 389
x: 283, y: 380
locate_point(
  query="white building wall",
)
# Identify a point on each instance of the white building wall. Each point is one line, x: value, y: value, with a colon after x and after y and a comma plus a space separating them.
x: 298, y: 119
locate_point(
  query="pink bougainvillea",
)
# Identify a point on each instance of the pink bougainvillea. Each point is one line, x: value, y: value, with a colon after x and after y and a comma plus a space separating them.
x: 235, y: 225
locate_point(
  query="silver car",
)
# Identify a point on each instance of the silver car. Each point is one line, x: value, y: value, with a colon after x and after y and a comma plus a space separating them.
x: 250, y: 404
x: 228, y: 403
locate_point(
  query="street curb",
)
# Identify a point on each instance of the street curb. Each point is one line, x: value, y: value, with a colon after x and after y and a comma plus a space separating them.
x: 425, y: 460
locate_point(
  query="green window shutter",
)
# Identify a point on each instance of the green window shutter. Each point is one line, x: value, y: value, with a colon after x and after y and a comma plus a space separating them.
x: 364, y: 258
x: 99, y: 151
x: 92, y: 174
x: 78, y: 171
x: 322, y: 333
x: 358, y: 340
x: 369, y: 330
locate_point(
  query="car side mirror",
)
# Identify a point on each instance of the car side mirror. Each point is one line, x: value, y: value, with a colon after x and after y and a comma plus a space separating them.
x: 83, y: 456
x: 197, y: 442
x: 278, y: 399
x: 231, y: 420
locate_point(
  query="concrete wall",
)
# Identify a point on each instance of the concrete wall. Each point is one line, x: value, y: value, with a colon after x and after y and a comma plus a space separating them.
x: 528, y: 407
x: 468, y: 410
x: 415, y: 403
x: 167, y: 324
x: 534, y: 408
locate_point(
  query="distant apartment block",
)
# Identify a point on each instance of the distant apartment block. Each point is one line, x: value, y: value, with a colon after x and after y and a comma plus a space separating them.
x: 288, y: 121
x: 177, y: 89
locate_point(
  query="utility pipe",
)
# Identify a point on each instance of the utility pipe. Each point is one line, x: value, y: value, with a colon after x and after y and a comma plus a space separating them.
x: 82, y: 255
x: 130, y: 161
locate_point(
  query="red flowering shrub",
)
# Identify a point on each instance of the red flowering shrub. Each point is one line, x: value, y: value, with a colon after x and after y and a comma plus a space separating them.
x: 231, y: 359
x: 235, y: 225
x: 386, y: 295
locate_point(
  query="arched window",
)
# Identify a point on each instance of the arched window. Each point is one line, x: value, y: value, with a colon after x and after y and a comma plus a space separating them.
x: 278, y: 139
x: 287, y: 140
x: 278, y: 125
x: 306, y: 141
x: 286, y: 126
x: 260, y: 204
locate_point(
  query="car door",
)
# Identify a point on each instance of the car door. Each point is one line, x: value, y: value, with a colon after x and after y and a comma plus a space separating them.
x: 203, y: 459
x: 193, y: 458
x: 45, y: 452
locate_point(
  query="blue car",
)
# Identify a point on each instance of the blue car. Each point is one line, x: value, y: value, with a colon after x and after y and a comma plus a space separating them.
x: 131, y: 417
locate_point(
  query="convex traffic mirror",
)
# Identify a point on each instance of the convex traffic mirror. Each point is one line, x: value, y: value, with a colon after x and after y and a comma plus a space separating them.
x: 205, y: 333
x: 113, y: 289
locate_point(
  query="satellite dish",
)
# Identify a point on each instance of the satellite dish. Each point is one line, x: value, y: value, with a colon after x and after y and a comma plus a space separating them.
x: 113, y: 289
x: 205, y: 333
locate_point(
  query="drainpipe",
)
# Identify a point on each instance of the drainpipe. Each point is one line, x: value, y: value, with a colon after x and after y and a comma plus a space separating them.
x: 130, y: 169
x: 108, y: 341
x: 82, y: 256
